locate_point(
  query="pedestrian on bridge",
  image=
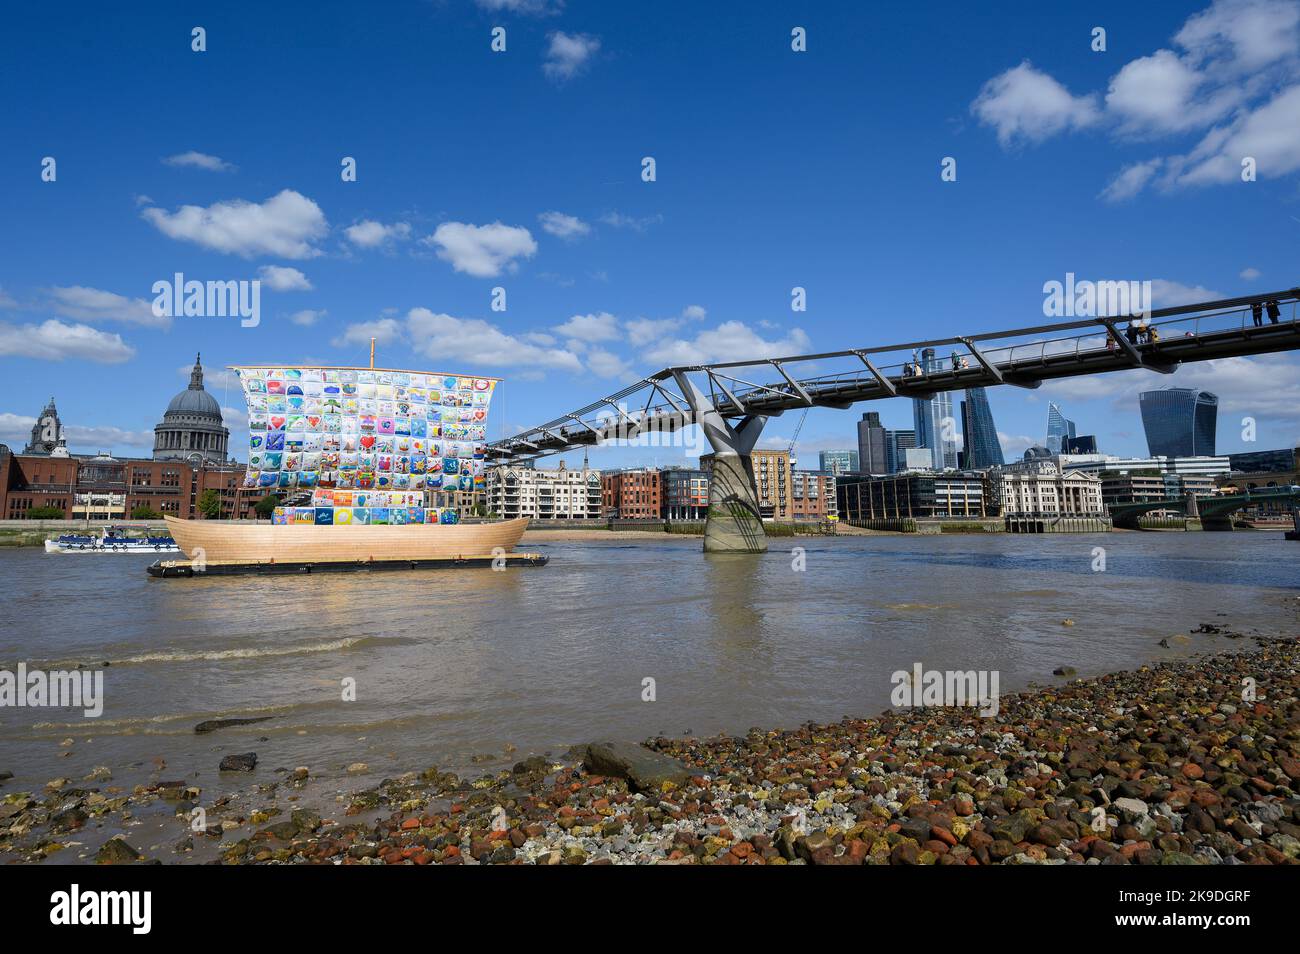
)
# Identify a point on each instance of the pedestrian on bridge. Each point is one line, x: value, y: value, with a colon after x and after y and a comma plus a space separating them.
x: 1257, y: 314
x: 1274, y: 313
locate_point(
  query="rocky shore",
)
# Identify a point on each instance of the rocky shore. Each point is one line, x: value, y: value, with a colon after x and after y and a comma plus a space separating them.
x: 1189, y: 762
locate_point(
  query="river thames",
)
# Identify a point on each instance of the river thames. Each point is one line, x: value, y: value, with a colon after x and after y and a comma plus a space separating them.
x: 454, y: 665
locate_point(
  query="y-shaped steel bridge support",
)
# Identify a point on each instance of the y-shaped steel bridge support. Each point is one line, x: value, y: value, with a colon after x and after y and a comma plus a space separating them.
x: 734, y: 524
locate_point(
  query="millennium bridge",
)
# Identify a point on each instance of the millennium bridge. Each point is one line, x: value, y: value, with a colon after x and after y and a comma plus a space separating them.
x: 731, y: 407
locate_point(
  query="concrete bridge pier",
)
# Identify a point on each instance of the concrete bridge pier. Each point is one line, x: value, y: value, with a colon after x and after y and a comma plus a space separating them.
x: 734, y: 524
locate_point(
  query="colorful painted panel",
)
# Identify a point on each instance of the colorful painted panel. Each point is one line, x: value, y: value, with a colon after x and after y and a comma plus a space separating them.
x: 365, y: 431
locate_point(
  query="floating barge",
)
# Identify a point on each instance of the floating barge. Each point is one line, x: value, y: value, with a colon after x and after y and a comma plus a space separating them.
x: 360, y: 459
x: 172, y: 569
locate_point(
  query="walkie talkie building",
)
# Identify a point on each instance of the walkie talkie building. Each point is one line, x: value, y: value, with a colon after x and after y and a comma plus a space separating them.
x: 1179, y: 422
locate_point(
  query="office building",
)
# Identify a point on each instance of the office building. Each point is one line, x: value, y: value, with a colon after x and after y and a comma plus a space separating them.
x: 1059, y: 428
x: 1039, y: 488
x: 897, y: 443
x: 1262, y: 462
x: 873, y: 445
x: 936, y: 429
x: 982, y: 449
x: 684, y: 494
x: 920, y: 495
x: 842, y: 461
x: 1179, y: 422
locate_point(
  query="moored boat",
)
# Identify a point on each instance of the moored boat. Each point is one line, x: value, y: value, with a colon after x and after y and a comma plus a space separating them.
x: 359, y: 457
x: 110, y: 541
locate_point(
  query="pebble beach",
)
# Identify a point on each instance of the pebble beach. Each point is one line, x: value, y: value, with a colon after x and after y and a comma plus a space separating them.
x: 1165, y: 764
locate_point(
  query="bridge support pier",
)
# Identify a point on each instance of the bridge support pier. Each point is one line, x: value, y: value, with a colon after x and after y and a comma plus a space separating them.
x: 734, y: 524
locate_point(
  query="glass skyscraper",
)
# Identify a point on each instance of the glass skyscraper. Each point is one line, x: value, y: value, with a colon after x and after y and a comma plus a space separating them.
x: 1179, y: 422
x: 1059, y: 427
x: 897, y: 443
x: 839, y: 461
x: 929, y: 416
x: 979, y: 433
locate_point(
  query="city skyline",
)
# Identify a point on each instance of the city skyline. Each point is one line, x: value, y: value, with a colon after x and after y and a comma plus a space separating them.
x: 609, y: 276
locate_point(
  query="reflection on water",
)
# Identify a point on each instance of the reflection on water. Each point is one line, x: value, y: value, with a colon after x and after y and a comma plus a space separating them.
x: 452, y: 663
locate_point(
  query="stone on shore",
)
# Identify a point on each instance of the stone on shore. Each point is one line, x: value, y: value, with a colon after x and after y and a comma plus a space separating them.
x: 646, y: 770
x: 212, y: 725
x: 239, y: 763
x: 116, y: 851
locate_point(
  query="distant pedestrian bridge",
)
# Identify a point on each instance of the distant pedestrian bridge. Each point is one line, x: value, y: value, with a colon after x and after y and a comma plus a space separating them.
x: 730, y: 406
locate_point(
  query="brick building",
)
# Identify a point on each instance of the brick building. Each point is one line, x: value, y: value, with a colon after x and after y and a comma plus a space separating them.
x: 812, y: 495
x: 110, y: 488
x: 632, y: 494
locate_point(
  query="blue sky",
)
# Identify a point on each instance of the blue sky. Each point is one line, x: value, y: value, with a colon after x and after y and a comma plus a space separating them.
x: 522, y: 170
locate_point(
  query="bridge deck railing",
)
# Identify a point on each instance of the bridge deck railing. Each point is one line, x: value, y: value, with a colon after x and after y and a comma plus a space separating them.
x: 1016, y: 357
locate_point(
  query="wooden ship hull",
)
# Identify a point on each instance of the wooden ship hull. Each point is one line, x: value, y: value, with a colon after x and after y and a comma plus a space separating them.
x: 213, y: 542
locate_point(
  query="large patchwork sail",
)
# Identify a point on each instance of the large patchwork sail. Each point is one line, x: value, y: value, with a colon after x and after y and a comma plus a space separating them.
x: 372, y: 445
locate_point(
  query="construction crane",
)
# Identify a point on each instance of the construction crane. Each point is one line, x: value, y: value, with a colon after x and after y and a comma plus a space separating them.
x: 797, y: 428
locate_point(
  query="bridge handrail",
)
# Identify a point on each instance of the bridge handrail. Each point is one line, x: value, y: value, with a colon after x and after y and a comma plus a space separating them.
x: 1008, y: 359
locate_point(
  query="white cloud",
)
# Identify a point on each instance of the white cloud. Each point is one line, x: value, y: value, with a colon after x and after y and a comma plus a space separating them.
x: 15, y: 427
x: 1244, y: 35
x: 235, y: 418
x: 534, y: 7
x: 642, y: 331
x: 369, y: 233
x: 1264, y: 386
x: 618, y: 220
x: 1270, y: 135
x: 214, y: 378
x: 1131, y: 180
x: 384, y: 330
x: 730, y: 341
x: 482, y: 250
x: 1249, y: 274
x: 54, y: 340
x: 285, y: 225
x: 1015, y: 445
x: 18, y: 427
x: 568, y: 55
x: 199, y: 160
x: 1025, y: 104
x: 1233, y: 72
x: 93, y: 304
x: 590, y: 328
x: 1167, y: 294
x: 475, y: 342
x: 563, y: 226
x: 282, y: 278
x: 451, y: 343
x: 307, y: 317
x: 1161, y: 93
x: 605, y: 364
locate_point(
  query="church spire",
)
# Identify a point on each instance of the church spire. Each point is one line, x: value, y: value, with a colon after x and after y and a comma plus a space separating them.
x: 196, y: 376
